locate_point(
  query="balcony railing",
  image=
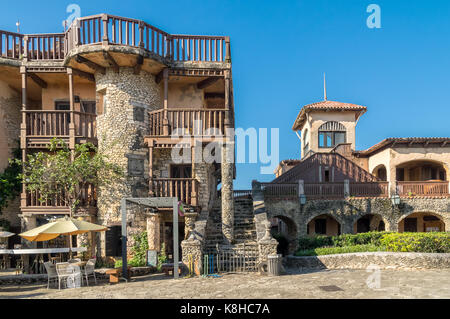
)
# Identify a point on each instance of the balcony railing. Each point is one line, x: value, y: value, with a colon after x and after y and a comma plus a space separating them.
x: 438, y: 188
x: 186, y: 189
x: 326, y: 190
x: 114, y: 30
x: 33, y: 199
x: 54, y: 123
x: 188, y: 122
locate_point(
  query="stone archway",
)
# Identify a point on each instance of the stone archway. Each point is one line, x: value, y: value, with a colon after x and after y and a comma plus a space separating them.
x: 380, y: 172
x: 286, y: 233
x: 324, y: 224
x: 370, y: 222
x: 421, y: 222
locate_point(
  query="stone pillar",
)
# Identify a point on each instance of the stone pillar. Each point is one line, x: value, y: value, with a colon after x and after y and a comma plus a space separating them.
x: 28, y: 222
x: 87, y: 239
x: 227, y: 196
x: 192, y: 255
x: 153, y: 232
x: 267, y: 245
x: 127, y: 99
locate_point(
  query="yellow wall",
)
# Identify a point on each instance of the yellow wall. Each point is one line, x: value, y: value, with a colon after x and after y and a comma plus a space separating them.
x: 61, y: 92
x: 182, y: 95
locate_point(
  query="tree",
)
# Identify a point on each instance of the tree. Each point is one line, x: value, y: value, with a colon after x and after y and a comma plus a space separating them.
x: 65, y: 174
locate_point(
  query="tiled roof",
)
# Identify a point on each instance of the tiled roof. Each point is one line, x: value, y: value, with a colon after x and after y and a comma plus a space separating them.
x: 326, y: 106
x: 403, y: 140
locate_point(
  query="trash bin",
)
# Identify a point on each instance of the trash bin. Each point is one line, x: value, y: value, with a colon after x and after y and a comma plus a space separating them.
x: 274, y: 265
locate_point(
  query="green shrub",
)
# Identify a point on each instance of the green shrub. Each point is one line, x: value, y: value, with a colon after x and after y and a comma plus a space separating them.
x: 162, y: 258
x: 311, y: 242
x: 338, y: 250
x: 369, y: 238
x: 417, y: 242
x: 139, y: 250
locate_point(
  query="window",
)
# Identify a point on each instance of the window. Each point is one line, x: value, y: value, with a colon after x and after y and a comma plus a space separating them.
x: 327, y: 175
x: 62, y: 105
x: 331, y: 134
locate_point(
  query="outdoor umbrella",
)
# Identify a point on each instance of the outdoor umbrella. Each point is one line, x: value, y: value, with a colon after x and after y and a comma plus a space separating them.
x: 6, y: 234
x: 62, y: 226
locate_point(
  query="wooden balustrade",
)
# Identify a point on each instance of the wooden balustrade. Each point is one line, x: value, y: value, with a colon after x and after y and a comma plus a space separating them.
x: 45, y: 46
x: 188, y: 121
x: 11, y: 45
x: 280, y: 190
x: 423, y: 188
x: 199, y: 48
x: 114, y: 30
x: 54, y: 123
x: 87, y: 198
x: 185, y: 189
x: 369, y: 189
x: 324, y: 190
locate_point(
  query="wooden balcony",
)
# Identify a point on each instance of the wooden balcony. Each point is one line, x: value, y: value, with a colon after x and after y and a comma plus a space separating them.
x: 185, y: 189
x: 31, y: 203
x: 113, y: 30
x: 193, y: 122
x: 42, y: 125
x: 423, y: 188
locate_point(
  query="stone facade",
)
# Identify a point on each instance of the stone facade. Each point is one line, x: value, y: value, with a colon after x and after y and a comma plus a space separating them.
x: 121, y: 136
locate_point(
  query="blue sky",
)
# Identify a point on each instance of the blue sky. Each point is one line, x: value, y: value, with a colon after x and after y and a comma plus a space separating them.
x: 280, y: 50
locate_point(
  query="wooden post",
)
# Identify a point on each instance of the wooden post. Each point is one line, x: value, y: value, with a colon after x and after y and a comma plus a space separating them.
x: 166, y: 101
x: 72, y: 109
x: 227, y: 50
x: 105, y: 40
x: 141, y: 34
x: 227, y: 121
x: 23, y: 130
x: 25, y: 48
x: 151, y: 144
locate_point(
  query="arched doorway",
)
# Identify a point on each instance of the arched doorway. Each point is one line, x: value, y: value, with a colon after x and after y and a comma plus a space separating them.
x: 369, y: 222
x: 284, y: 230
x: 380, y: 172
x: 324, y: 225
x: 421, y: 222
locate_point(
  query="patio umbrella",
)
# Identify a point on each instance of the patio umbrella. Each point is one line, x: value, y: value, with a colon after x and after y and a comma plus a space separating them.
x: 6, y: 234
x: 63, y: 226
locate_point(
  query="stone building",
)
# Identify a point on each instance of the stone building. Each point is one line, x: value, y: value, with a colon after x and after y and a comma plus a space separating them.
x: 399, y: 184
x: 141, y: 95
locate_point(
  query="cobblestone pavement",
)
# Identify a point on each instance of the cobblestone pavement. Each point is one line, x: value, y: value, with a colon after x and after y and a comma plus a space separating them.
x: 351, y: 284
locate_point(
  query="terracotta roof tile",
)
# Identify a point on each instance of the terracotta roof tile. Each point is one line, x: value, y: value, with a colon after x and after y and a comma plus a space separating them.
x: 402, y: 140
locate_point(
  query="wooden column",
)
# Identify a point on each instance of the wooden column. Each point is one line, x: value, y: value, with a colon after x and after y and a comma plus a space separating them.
x: 166, y: 101
x: 72, y: 109
x: 23, y: 129
x: 151, y: 145
x: 105, y: 38
x: 227, y: 50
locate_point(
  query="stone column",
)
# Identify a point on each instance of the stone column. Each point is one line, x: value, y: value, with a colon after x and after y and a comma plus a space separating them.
x: 153, y: 232
x: 267, y: 245
x: 227, y: 196
x: 192, y: 255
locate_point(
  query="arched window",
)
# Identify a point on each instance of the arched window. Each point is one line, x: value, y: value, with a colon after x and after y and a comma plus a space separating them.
x: 331, y: 134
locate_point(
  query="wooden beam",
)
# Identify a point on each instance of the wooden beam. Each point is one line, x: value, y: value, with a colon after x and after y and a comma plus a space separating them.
x: 138, y: 65
x: 83, y: 74
x: 159, y: 76
x: 112, y: 63
x: 90, y: 64
x: 207, y: 82
x: 211, y: 95
x: 37, y: 80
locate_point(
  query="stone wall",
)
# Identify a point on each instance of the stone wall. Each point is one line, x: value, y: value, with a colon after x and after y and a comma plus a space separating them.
x: 347, y: 212
x: 127, y: 98
x: 10, y: 119
x: 384, y: 260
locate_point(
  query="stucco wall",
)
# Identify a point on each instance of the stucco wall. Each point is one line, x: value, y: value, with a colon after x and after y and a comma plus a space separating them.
x: 60, y: 91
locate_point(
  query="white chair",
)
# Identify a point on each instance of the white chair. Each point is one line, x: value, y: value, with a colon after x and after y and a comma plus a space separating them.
x: 74, y: 260
x: 89, y: 270
x: 51, y: 272
x: 64, y: 270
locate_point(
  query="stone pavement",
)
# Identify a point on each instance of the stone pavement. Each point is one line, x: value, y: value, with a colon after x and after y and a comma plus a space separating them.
x: 338, y: 284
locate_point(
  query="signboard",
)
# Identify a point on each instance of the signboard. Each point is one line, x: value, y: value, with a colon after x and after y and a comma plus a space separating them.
x: 152, y: 258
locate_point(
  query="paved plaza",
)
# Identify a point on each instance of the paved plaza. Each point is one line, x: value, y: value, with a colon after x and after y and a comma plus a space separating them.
x: 314, y: 284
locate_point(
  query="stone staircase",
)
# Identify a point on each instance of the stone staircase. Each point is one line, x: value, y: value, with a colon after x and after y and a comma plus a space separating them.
x: 244, y: 225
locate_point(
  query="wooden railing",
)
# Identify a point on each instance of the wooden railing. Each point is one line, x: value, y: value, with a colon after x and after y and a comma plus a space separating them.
x: 44, y: 46
x: 188, y: 121
x: 280, y: 190
x: 186, y: 189
x: 438, y: 188
x: 11, y: 45
x: 87, y: 198
x: 53, y: 123
x: 199, y: 48
x: 324, y: 190
x: 114, y: 30
x: 369, y: 189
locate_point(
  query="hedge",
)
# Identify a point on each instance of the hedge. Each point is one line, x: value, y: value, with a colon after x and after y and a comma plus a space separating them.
x: 338, y: 250
x: 434, y: 242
